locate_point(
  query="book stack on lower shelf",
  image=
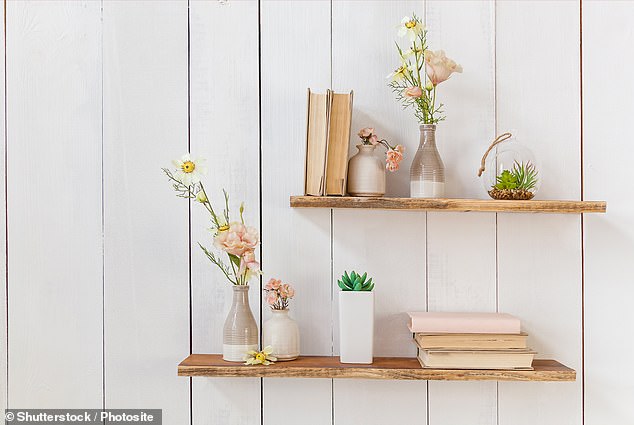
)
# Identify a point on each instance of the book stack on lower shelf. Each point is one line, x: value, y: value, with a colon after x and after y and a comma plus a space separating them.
x: 492, y: 341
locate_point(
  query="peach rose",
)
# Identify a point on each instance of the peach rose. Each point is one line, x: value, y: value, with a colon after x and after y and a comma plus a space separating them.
x: 373, y: 139
x: 413, y: 92
x: 272, y: 284
x: 248, y: 262
x: 394, y: 157
x: 439, y: 67
x: 271, y: 297
x: 238, y: 239
x: 365, y: 132
x: 287, y: 291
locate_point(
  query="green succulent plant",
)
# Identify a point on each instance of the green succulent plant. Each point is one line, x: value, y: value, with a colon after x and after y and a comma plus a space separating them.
x: 521, y: 176
x: 355, y: 282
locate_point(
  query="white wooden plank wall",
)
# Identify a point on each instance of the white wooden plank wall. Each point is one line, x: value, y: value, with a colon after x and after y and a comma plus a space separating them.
x: 54, y: 159
x: 461, y: 249
x: 224, y: 129
x: 295, y: 244
x: 107, y: 290
x: 146, y: 285
x: 609, y: 239
x: 539, y: 256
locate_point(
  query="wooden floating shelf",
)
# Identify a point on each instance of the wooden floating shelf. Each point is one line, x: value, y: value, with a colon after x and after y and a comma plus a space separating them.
x: 442, y: 204
x: 383, y: 368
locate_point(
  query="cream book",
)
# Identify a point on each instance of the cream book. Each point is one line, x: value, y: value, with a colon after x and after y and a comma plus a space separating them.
x: 479, y: 323
x: 477, y: 359
x: 317, y: 142
x: 458, y: 341
x: 340, y: 119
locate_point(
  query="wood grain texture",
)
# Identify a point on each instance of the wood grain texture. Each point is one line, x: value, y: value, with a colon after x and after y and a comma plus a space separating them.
x: 54, y: 160
x: 406, y: 368
x: 224, y: 129
x: 440, y: 204
x: 609, y: 239
x: 363, y: 53
x: 146, y: 226
x: 296, y: 244
x: 539, y: 256
x: 461, y: 251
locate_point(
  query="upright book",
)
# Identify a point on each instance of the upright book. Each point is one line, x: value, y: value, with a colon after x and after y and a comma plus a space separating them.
x: 317, y: 142
x: 340, y: 119
x: 329, y: 119
x: 481, y: 323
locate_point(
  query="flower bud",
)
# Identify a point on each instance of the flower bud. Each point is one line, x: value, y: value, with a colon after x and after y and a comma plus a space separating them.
x: 200, y: 197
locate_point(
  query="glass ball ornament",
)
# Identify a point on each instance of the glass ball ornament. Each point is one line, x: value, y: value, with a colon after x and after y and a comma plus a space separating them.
x: 509, y: 170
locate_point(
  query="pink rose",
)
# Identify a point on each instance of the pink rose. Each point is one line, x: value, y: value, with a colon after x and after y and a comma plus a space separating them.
x: 271, y: 297
x: 394, y: 156
x: 439, y: 67
x: 238, y: 239
x: 413, y: 92
x: 272, y: 284
x: 248, y: 262
x: 287, y: 291
x: 366, y: 132
x: 373, y: 139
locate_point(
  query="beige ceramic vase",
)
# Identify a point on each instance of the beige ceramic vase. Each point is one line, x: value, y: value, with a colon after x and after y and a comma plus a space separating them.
x: 366, y: 173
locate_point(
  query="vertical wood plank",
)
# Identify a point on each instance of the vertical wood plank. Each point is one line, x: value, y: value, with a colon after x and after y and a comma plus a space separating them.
x: 224, y: 129
x: 146, y: 285
x: 461, y: 249
x: 363, y: 35
x: 4, y: 366
x: 539, y: 256
x: 54, y: 160
x: 296, y: 244
x: 609, y: 239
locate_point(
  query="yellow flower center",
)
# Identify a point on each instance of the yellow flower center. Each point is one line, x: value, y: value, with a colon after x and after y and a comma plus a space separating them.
x: 260, y: 357
x: 223, y: 228
x: 410, y: 24
x: 188, y: 167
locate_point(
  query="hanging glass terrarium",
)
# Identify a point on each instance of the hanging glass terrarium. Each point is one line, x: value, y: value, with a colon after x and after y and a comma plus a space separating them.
x: 512, y: 172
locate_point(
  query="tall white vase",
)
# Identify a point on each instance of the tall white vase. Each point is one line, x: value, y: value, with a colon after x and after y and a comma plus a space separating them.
x: 282, y: 333
x: 356, y: 326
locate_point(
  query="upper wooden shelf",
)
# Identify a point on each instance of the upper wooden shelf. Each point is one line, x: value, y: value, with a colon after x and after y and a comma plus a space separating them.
x: 382, y: 368
x: 441, y: 204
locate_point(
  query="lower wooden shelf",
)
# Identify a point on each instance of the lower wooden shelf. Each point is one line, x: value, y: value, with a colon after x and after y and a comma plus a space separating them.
x: 383, y: 368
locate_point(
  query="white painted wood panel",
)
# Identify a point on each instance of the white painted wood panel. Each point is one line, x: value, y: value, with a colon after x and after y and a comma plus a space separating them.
x: 389, y: 245
x: 609, y: 239
x: 146, y: 226
x: 54, y: 160
x: 539, y: 256
x: 224, y: 129
x: 296, y: 243
x: 3, y: 234
x: 461, y: 248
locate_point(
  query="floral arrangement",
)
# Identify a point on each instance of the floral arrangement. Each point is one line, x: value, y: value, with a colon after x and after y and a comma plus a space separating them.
x: 233, y: 237
x: 410, y: 87
x: 394, y: 154
x: 263, y: 357
x: 278, y: 294
x: 355, y: 282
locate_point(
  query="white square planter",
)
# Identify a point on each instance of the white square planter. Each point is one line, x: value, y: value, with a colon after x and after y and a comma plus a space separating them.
x: 356, y: 326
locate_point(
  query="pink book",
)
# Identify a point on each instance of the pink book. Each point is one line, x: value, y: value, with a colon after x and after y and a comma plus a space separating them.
x: 481, y: 323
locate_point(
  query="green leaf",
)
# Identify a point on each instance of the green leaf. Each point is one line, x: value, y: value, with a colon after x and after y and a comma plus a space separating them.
x: 357, y: 286
x: 234, y: 259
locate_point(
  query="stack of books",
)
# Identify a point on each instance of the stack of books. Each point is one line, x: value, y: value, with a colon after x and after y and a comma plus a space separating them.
x: 328, y: 119
x: 470, y: 341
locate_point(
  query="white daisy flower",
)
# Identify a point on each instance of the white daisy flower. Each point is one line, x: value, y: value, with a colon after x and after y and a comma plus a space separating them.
x: 399, y: 73
x: 189, y: 171
x: 411, y: 27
